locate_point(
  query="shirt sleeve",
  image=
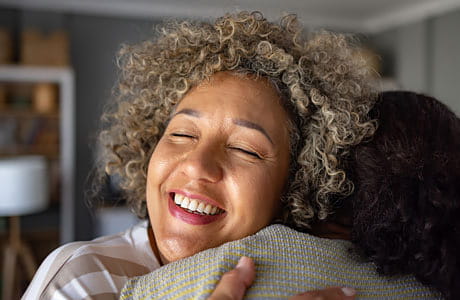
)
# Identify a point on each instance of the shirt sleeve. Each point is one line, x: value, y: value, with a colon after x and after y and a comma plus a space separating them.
x: 95, y: 269
x: 48, y: 270
x: 86, y: 272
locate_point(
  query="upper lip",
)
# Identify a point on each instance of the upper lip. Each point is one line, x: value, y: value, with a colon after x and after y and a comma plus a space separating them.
x: 193, y: 195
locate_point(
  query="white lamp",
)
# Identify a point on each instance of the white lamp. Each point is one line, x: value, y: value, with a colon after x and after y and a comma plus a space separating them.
x: 23, y: 190
x: 23, y: 185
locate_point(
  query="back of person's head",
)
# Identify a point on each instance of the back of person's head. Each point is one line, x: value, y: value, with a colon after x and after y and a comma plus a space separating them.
x: 406, y: 208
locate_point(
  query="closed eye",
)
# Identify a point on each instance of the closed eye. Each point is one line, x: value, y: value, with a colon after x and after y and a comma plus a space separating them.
x: 184, y: 135
x: 250, y: 153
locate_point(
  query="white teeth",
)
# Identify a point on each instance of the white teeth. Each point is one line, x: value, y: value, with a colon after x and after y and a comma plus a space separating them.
x: 178, y: 198
x: 195, y: 205
x: 185, y: 202
x: 200, y: 207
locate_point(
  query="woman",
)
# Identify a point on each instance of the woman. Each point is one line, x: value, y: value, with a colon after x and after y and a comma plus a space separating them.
x: 212, y: 126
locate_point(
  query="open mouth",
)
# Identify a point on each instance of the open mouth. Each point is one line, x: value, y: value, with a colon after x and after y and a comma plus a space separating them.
x: 196, y: 206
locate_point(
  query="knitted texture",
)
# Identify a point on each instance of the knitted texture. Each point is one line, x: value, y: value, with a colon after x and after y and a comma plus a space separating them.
x: 287, y: 263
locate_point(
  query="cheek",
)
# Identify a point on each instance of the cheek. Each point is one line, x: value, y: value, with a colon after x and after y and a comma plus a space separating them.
x: 159, y: 164
x: 270, y: 185
x: 159, y: 169
x: 258, y: 196
x: 152, y: 173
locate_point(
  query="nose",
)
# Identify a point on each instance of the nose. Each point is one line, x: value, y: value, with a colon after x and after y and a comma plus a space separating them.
x: 203, y: 164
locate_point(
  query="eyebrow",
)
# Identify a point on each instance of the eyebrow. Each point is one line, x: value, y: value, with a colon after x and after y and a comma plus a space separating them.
x: 188, y: 111
x: 185, y: 111
x: 239, y: 122
x: 251, y: 125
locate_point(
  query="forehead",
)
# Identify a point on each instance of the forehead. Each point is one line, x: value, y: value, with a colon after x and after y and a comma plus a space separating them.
x: 228, y: 89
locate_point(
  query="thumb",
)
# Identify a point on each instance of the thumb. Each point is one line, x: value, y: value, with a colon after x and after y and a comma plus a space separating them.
x: 234, y: 283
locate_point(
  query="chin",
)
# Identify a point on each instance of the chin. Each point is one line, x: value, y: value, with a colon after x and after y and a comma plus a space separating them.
x: 174, y: 249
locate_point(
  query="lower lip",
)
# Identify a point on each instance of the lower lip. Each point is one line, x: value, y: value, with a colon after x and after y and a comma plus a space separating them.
x: 191, y: 218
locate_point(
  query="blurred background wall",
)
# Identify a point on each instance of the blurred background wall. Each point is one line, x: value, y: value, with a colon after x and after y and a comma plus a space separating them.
x: 424, y: 56
x: 94, y: 41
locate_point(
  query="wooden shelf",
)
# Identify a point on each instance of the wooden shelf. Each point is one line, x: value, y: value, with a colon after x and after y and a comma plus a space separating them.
x: 56, y: 140
x: 50, y: 151
x: 26, y: 114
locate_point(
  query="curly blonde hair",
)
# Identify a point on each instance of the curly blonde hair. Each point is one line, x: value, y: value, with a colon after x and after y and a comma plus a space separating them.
x: 322, y: 84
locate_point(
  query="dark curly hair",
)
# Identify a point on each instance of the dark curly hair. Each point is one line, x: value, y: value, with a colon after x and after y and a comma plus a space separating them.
x: 406, y: 205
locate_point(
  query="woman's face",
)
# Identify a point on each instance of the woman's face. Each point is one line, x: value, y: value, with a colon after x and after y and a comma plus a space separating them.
x: 218, y: 172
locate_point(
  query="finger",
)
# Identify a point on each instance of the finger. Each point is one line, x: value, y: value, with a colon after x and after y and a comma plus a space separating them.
x: 234, y: 283
x: 332, y: 293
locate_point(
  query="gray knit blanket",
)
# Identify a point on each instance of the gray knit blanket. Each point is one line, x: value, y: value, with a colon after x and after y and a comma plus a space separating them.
x: 287, y: 263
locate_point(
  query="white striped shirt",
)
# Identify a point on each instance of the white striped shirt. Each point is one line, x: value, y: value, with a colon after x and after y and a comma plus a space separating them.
x: 97, y: 269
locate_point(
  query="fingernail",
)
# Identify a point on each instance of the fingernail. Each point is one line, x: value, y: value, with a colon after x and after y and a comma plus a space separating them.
x: 244, y: 260
x: 348, y: 291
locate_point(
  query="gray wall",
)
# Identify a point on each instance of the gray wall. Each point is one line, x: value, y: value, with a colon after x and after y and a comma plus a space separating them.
x: 445, y: 65
x: 94, y: 42
x: 424, y: 56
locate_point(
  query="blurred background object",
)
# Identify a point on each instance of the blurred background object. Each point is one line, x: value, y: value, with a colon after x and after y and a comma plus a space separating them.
x: 45, y: 98
x: 23, y: 190
x: 36, y: 118
x: 48, y: 50
x: 58, y: 67
x: 23, y: 185
x: 6, y: 49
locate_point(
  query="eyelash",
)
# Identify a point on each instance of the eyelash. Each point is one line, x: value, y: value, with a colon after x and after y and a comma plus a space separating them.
x: 251, y: 153
x: 182, y: 135
x: 254, y: 154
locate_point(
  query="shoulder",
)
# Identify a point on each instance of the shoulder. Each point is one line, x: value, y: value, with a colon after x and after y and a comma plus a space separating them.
x: 288, y: 262
x: 101, y: 266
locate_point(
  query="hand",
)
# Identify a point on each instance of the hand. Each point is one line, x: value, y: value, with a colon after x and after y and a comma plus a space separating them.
x: 234, y: 284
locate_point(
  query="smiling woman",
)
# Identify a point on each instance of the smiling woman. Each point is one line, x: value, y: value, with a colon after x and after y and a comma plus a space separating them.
x: 223, y: 143
x: 216, y: 131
